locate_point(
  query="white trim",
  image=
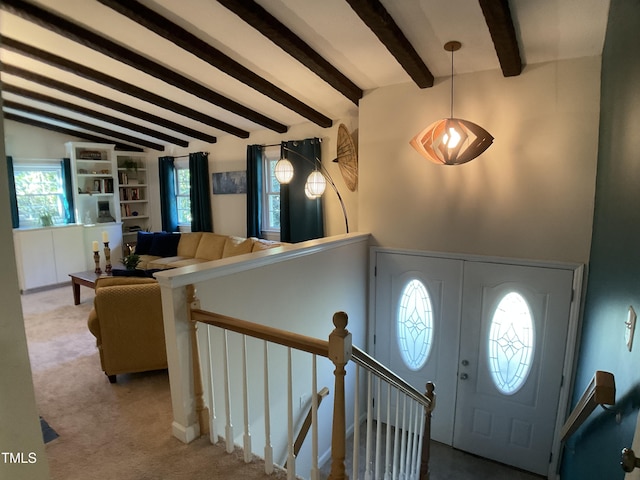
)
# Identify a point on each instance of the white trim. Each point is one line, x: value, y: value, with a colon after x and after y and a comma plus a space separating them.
x: 180, y: 277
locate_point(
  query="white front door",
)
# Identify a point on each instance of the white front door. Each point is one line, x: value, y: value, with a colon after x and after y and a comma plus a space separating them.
x: 512, y: 346
x: 442, y: 281
x: 508, y: 415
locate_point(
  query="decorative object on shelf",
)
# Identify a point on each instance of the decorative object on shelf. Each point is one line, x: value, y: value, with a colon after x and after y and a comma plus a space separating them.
x: 452, y: 141
x: 131, y: 261
x: 130, y: 165
x: 90, y: 155
x: 316, y: 181
x: 347, y: 158
x: 229, y: 182
x: 96, y: 257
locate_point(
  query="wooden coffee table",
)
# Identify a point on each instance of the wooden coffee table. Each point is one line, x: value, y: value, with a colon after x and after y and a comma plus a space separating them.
x: 87, y: 278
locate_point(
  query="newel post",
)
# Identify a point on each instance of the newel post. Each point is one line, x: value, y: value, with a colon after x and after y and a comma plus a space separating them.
x: 426, y: 436
x: 202, y: 412
x: 339, y: 354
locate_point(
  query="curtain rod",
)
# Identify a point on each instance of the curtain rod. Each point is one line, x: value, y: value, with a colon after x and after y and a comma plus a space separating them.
x: 182, y: 156
x: 280, y: 144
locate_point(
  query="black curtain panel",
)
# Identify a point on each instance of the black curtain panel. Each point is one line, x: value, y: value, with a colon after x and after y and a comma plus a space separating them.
x: 200, y: 193
x: 300, y: 217
x: 69, y: 208
x: 254, y: 190
x: 13, y: 200
x: 168, y: 207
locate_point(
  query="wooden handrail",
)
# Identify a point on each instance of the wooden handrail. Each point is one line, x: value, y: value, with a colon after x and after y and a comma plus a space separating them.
x: 270, y: 334
x: 367, y: 361
x: 306, y: 425
x: 600, y: 391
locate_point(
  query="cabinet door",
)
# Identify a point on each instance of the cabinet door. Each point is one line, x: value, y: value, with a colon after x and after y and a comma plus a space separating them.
x: 35, y: 258
x: 67, y: 246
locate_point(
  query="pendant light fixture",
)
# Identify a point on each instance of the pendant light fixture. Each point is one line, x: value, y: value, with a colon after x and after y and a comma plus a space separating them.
x: 452, y: 141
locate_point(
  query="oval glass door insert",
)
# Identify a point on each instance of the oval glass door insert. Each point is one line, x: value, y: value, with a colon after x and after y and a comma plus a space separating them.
x: 511, y: 343
x: 414, y: 324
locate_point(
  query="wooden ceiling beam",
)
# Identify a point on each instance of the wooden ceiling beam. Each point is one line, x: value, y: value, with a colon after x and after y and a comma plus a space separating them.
x: 26, y: 93
x: 278, y: 33
x: 503, y: 33
x: 117, y: 84
x: 93, y: 40
x: 189, y: 42
x: 105, y: 102
x: 376, y: 17
x: 67, y: 131
x: 78, y: 123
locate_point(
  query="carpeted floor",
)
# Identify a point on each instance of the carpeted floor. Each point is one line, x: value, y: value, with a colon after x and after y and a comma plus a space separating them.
x: 108, y: 431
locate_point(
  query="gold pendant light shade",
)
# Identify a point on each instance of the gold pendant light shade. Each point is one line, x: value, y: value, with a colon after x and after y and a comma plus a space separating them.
x: 452, y: 141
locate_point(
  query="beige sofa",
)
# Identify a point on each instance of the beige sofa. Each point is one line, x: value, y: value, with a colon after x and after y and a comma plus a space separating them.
x: 159, y: 251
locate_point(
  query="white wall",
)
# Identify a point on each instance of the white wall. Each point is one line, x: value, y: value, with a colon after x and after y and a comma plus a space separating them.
x: 230, y: 154
x: 19, y: 425
x: 297, y: 290
x: 530, y: 195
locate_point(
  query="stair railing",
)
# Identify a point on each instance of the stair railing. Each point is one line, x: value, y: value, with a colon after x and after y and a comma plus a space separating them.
x: 406, y: 457
x: 600, y: 391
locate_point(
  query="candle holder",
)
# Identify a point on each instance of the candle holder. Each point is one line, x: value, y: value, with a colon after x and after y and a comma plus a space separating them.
x: 107, y: 257
x: 96, y: 258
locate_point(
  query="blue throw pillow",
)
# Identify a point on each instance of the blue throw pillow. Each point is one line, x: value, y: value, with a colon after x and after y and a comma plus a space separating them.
x: 165, y: 244
x: 143, y: 243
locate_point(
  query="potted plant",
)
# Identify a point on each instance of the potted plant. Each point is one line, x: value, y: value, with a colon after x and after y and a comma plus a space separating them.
x: 130, y: 165
x: 131, y: 261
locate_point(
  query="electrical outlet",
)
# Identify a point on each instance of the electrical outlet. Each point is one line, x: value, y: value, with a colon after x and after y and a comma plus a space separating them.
x: 303, y: 400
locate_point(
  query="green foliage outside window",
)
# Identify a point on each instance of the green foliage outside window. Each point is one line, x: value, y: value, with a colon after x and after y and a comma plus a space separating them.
x: 183, y: 199
x: 39, y: 194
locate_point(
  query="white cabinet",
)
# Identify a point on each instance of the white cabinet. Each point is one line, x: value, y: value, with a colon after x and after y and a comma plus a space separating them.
x: 46, y: 256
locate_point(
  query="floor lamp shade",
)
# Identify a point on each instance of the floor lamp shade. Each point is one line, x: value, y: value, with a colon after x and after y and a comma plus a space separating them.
x: 452, y: 141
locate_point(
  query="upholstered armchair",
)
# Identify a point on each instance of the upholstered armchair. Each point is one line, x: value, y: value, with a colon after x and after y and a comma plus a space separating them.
x: 127, y: 323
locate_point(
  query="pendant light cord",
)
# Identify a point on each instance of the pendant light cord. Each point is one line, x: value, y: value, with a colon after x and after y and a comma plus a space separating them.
x: 451, y: 116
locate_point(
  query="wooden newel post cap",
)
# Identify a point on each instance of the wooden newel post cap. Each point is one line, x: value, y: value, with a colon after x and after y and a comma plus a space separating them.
x: 340, y: 340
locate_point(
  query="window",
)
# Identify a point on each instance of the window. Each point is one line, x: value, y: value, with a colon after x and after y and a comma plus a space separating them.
x: 271, y: 191
x: 39, y: 192
x: 414, y: 324
x: 183, y: 192
x: 511, y: 343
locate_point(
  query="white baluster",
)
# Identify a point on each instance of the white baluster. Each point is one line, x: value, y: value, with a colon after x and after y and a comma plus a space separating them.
x: 407, y: 467
x: 291, y: 460
x: 367, y: 472
x: 378, y: 431
x: 213, y: 432
x: 421, y: 410
x: 227, y: 393
x: 268, y: 449
x: 403, y: 446
x: 396, y: 436
x: 387, y: 452
x: 315, y: 472
x: 356, y: 427
x: 245, y: 402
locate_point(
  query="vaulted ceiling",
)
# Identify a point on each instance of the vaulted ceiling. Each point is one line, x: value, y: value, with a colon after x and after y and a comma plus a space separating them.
x: 160, y: 73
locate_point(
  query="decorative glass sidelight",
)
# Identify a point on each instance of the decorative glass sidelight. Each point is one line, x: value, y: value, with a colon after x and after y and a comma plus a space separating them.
x: 511, y: 343
x: 414, y: 322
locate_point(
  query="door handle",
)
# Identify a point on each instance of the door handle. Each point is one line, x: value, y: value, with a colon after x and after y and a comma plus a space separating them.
x: 463, y: 376
x: 465, y: 363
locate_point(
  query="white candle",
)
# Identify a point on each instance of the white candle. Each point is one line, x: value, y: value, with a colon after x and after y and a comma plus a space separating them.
x: 95, y: 245
x: 105, y: 237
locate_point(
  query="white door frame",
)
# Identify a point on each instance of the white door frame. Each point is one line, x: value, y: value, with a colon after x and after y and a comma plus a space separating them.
x: 572, y: 335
